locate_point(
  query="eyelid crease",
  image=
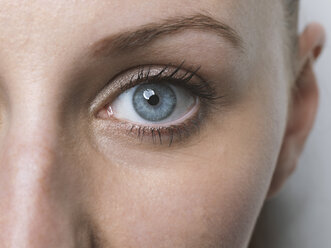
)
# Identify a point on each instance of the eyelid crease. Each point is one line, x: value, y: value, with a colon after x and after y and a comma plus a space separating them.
x: 155, y: 74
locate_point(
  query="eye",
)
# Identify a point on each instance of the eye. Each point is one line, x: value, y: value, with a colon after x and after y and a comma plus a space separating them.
x: 154, y: 103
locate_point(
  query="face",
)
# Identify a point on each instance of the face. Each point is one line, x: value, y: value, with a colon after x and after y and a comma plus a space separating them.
x: 156, y: 124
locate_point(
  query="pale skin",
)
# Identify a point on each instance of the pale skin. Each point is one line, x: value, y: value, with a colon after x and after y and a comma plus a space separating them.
x: 71, y: 179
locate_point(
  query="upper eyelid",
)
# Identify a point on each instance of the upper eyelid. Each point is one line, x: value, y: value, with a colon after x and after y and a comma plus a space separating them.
x: 121, y: 81
x: 166, y: 73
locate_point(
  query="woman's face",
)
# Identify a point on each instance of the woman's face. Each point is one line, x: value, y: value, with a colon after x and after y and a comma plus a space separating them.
x: 183, y: 158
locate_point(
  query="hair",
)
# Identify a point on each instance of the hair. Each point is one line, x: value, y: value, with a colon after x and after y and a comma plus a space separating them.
x: 291, y: 13
x: 291, y: 17
x: 292, y: 7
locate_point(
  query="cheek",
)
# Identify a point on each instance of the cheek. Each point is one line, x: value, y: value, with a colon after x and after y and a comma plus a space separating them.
x: 209, y: 194
x: 205, y: 195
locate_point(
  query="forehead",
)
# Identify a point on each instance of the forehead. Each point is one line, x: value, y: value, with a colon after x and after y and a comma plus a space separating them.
x: 33, y: 22
x: 43, y: 43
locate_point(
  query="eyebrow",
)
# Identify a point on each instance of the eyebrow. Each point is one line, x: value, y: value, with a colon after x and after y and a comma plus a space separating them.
x: 143, y: 35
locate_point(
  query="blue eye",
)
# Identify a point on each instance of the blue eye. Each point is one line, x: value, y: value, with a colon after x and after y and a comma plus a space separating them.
x: 154, y: 102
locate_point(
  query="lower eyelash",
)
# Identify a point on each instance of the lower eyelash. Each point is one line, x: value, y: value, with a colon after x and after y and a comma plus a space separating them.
x: 166, y: 134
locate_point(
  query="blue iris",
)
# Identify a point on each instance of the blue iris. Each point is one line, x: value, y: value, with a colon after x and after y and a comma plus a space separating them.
x: 154, y: 102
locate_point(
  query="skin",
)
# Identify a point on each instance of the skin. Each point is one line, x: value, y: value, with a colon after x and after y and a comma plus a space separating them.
x: 67, y: 181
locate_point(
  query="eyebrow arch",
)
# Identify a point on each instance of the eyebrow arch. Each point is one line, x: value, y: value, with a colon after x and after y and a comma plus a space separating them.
x: 147, y: 33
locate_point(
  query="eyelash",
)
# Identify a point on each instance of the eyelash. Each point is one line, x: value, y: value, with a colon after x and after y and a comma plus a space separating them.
x: 202, y: 89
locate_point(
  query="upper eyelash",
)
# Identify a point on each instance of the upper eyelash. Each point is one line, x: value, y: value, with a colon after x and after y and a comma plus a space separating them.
x: 202, y: 89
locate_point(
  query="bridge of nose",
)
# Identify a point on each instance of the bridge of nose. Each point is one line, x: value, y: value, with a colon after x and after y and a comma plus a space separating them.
x: 38, y: 197
x: 33, y: 182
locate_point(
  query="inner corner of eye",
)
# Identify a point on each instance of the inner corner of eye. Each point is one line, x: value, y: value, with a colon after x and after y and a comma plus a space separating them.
x: 105, y: 113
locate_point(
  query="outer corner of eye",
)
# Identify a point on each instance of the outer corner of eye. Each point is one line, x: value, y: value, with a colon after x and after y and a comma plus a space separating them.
x: 105, y: 113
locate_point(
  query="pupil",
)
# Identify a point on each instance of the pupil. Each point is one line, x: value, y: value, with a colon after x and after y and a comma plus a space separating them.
x: 151, y: 97
x: 153, y: 100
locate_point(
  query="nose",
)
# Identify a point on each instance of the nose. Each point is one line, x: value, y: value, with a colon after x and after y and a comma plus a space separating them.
x: 33, y: 209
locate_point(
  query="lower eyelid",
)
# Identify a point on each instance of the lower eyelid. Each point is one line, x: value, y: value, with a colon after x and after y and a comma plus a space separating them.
x: 166, y: 135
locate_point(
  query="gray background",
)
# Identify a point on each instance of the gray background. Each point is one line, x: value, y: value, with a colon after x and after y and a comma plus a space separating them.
x: 300, y: 217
